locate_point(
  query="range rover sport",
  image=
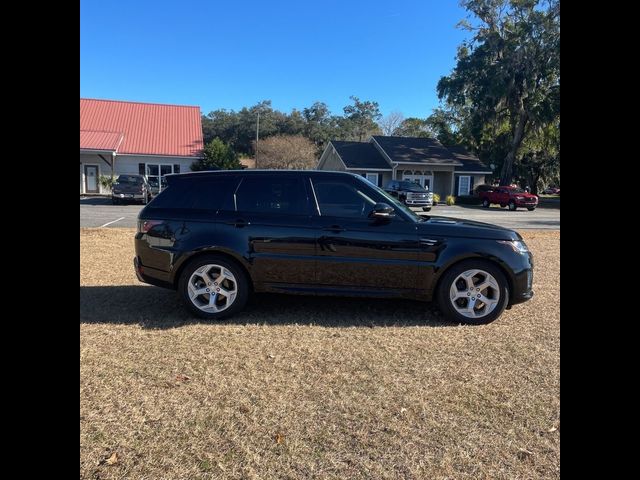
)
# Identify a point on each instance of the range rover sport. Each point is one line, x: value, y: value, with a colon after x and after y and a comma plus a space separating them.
x: 216, y: 237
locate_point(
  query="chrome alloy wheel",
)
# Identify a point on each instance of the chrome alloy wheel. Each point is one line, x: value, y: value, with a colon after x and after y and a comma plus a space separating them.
x: 474, y: 293
x: 212, y: 288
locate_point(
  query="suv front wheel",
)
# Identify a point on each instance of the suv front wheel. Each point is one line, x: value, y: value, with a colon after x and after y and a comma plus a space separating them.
x: 473, y: 291
x: 213, y: 287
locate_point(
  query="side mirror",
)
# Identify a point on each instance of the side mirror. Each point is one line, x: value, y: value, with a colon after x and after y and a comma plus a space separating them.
x: 382, y: 211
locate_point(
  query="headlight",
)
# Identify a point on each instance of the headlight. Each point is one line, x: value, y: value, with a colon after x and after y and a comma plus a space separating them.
x: 519, y: 198
x: 517, y: 245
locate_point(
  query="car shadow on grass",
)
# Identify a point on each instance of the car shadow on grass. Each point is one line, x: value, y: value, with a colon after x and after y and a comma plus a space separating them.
x: 157, y: 308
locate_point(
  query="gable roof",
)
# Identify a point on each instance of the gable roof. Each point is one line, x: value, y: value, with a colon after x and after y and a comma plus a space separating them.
x: 470, y: 163
x: 415, y: 150
x: 360, y: 155
x: 145, y: 128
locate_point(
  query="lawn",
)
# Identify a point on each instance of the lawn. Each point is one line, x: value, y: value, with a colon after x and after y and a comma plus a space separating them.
x: 312, y: 387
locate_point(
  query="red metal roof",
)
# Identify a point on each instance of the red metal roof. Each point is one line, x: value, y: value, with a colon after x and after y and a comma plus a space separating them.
x: 146, y: 128
x: 94, y: 140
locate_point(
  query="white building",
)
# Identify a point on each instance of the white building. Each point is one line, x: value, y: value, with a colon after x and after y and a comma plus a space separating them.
x: 136, y: 138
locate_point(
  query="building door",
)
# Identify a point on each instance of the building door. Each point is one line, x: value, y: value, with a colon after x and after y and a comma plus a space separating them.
x: 156, y: 173
x: 90, y: 179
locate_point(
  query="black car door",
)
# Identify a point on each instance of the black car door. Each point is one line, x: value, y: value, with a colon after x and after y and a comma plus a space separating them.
x: 268, y: 220
x: 355, y: 250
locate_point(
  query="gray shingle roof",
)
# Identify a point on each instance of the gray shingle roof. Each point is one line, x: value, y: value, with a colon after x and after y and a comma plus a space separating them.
x: 360, y: 155
x: 470, y: 163
x: 415, y: 149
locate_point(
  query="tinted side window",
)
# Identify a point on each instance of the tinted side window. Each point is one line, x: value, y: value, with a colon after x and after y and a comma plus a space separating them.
x: 196, y: 194
x: 271, y: 194
x: 341, y: 199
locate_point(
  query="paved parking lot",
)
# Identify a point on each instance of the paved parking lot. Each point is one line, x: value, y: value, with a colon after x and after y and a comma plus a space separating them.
x: 99, y: 212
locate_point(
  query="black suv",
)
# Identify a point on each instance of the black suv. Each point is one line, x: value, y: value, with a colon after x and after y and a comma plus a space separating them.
x: 218, y: 236
x: 128, y: 188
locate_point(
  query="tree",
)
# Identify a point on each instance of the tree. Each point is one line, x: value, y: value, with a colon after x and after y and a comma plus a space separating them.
x: 217, y: 155
x: 360, y: 119
x: 287, y: 152
x: 413, y: 127
x: 540, y: 162
x: 320, y: 125
x: 222, y: 124
x: 509, y: 72
x: 441, y: 124
x: 389, y: 124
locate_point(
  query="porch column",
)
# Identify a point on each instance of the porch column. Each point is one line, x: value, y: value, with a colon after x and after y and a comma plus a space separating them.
x: 113, y: 165
x: 453, y: 183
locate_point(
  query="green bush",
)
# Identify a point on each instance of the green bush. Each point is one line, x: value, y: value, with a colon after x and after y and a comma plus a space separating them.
x: 451, y: 200
x: 468, y: 200
x: 436, y: 198
x: 106, y: 181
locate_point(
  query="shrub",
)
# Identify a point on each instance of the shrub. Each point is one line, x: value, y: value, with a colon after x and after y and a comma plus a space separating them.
x: 436, y: 198
x: 451, y: 200
x: 106, y: 181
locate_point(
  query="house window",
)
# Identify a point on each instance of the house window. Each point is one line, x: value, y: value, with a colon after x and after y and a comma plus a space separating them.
x: 464, y: 184
x: 372, y: 177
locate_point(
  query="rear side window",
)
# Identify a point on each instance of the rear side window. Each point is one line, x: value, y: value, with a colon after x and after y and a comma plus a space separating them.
x: 196, y: 194
x: 129, y: 180
x: 271, y: 194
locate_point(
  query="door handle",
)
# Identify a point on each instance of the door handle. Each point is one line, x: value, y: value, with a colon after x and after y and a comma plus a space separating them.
x: 238, y: 223
x: 334, y: 228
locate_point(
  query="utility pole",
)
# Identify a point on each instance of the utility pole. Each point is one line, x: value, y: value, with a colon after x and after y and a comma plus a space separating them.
x: 257, y: 136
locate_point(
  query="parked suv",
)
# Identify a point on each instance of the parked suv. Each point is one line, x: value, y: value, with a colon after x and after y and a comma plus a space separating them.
x: 131, y: 188
x: 513, y: 197
x: 216, y: 237
x: 411, y: 194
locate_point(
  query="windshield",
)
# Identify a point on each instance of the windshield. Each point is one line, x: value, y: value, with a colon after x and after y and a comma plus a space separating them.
x: 395, y: 203
x: 129, y: 180
x: 411, y: 187
x: 517, y: 190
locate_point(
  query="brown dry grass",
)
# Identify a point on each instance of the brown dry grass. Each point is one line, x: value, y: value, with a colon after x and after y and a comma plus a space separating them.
x: 303, y: 387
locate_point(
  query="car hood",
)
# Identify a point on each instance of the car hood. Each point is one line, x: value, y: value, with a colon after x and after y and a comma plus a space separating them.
x: 456, y: 227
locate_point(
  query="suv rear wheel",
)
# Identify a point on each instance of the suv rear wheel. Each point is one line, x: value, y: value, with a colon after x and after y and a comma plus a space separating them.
x: 473, y: 291
x: 213, y: 287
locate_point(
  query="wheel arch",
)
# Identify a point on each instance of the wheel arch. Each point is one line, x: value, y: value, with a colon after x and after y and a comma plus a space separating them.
x: 489, y: 259
x: 185, y: 261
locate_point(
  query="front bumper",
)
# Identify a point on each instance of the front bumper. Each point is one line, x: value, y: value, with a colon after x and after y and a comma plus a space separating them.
x: 419, y: 203
x: 128, y: 196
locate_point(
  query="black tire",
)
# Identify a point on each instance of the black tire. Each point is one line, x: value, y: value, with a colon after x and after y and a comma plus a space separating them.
x: 426, y: 209
x: 242, y: 285
x: 512, y: 206
x: 486, y: 203
x: 531, y: 209
x: 444, y: 286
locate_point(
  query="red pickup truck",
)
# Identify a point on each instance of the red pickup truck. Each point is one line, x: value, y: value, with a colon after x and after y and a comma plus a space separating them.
x: 513, y: 197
